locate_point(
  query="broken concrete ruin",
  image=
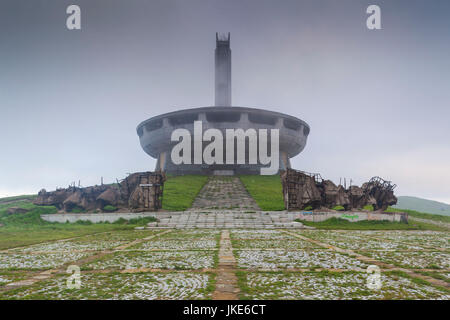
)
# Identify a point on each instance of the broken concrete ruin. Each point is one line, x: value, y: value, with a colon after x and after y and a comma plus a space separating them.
x: 302, y: 190
x: 140, y: 191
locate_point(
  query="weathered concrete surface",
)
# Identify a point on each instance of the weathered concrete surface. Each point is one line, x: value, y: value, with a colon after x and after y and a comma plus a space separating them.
x: 223, y: 70
x: 302, y: 190
x: 193, y: 219
x: 226, y: 218
x: 139, y: 191
x: 155, y: 136
x: 353, y: 216
x: 226, y: 282
x: 94, y: 217
x: 224, y: 193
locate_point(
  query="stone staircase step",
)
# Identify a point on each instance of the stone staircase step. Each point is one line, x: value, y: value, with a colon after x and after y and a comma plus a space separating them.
x: 224, y: 192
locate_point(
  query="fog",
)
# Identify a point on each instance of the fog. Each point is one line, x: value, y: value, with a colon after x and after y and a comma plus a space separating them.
x: 377, y: 101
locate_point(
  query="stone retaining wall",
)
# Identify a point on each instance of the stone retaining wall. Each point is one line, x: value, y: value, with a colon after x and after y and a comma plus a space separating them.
x: 234, y: 217
x: 93, y: 217
x: 353, y: 216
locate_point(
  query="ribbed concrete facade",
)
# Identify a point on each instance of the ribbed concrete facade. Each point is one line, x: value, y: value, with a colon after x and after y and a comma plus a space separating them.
x: 155, y: 136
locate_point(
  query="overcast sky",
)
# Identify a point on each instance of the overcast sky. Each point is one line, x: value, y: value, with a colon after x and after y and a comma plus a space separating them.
x: 377, y: 101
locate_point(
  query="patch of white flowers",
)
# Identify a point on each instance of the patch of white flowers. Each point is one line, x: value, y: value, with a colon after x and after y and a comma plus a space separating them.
x: 39, y: 261
x: 177, y: 244
x: 156, y: 260
x: 260, y: 234
x: 281, y: 259
x: 335, y: 286
x: 124, y: 286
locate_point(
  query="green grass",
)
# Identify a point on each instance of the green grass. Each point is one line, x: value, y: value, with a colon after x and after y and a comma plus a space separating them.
x: 77, y: 209
x: 135, y: 221
x: 29, y: 228
x: 180, y: 191
x: 368, y: 207
x: 20, y: 203
x: 342, y: 224
x: 26, y: 234
x: 422, y: 215
x: 31, y: 217
x: 109, y: 208
x: 15, y: 236
x: 338, y: 208
x: 266, y: 190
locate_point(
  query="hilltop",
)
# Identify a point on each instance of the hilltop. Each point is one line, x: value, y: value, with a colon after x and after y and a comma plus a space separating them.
x: 423, y: 205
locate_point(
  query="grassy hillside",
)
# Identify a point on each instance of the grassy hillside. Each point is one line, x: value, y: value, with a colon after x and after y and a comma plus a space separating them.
x: 28, y: 228
x: 180, y: 191
x: 423, y: 205
x: 266, y: 190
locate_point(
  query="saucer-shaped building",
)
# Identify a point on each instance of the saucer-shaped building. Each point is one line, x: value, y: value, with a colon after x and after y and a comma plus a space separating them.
x: 155, y: 133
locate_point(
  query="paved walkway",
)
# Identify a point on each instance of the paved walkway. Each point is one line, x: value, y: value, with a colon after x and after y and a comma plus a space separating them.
x: 226, y: 282
x: 224, y: 192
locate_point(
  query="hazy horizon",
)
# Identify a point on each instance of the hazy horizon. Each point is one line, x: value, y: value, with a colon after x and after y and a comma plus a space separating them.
x: 377, y: 101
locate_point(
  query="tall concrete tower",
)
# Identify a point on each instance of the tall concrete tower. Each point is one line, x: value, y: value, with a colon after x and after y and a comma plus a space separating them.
x: 155, y: 134
x: 223, y: 70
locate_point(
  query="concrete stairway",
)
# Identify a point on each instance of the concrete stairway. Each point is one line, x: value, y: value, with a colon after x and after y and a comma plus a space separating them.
x: 226, y: 219
x: 224, y: 192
